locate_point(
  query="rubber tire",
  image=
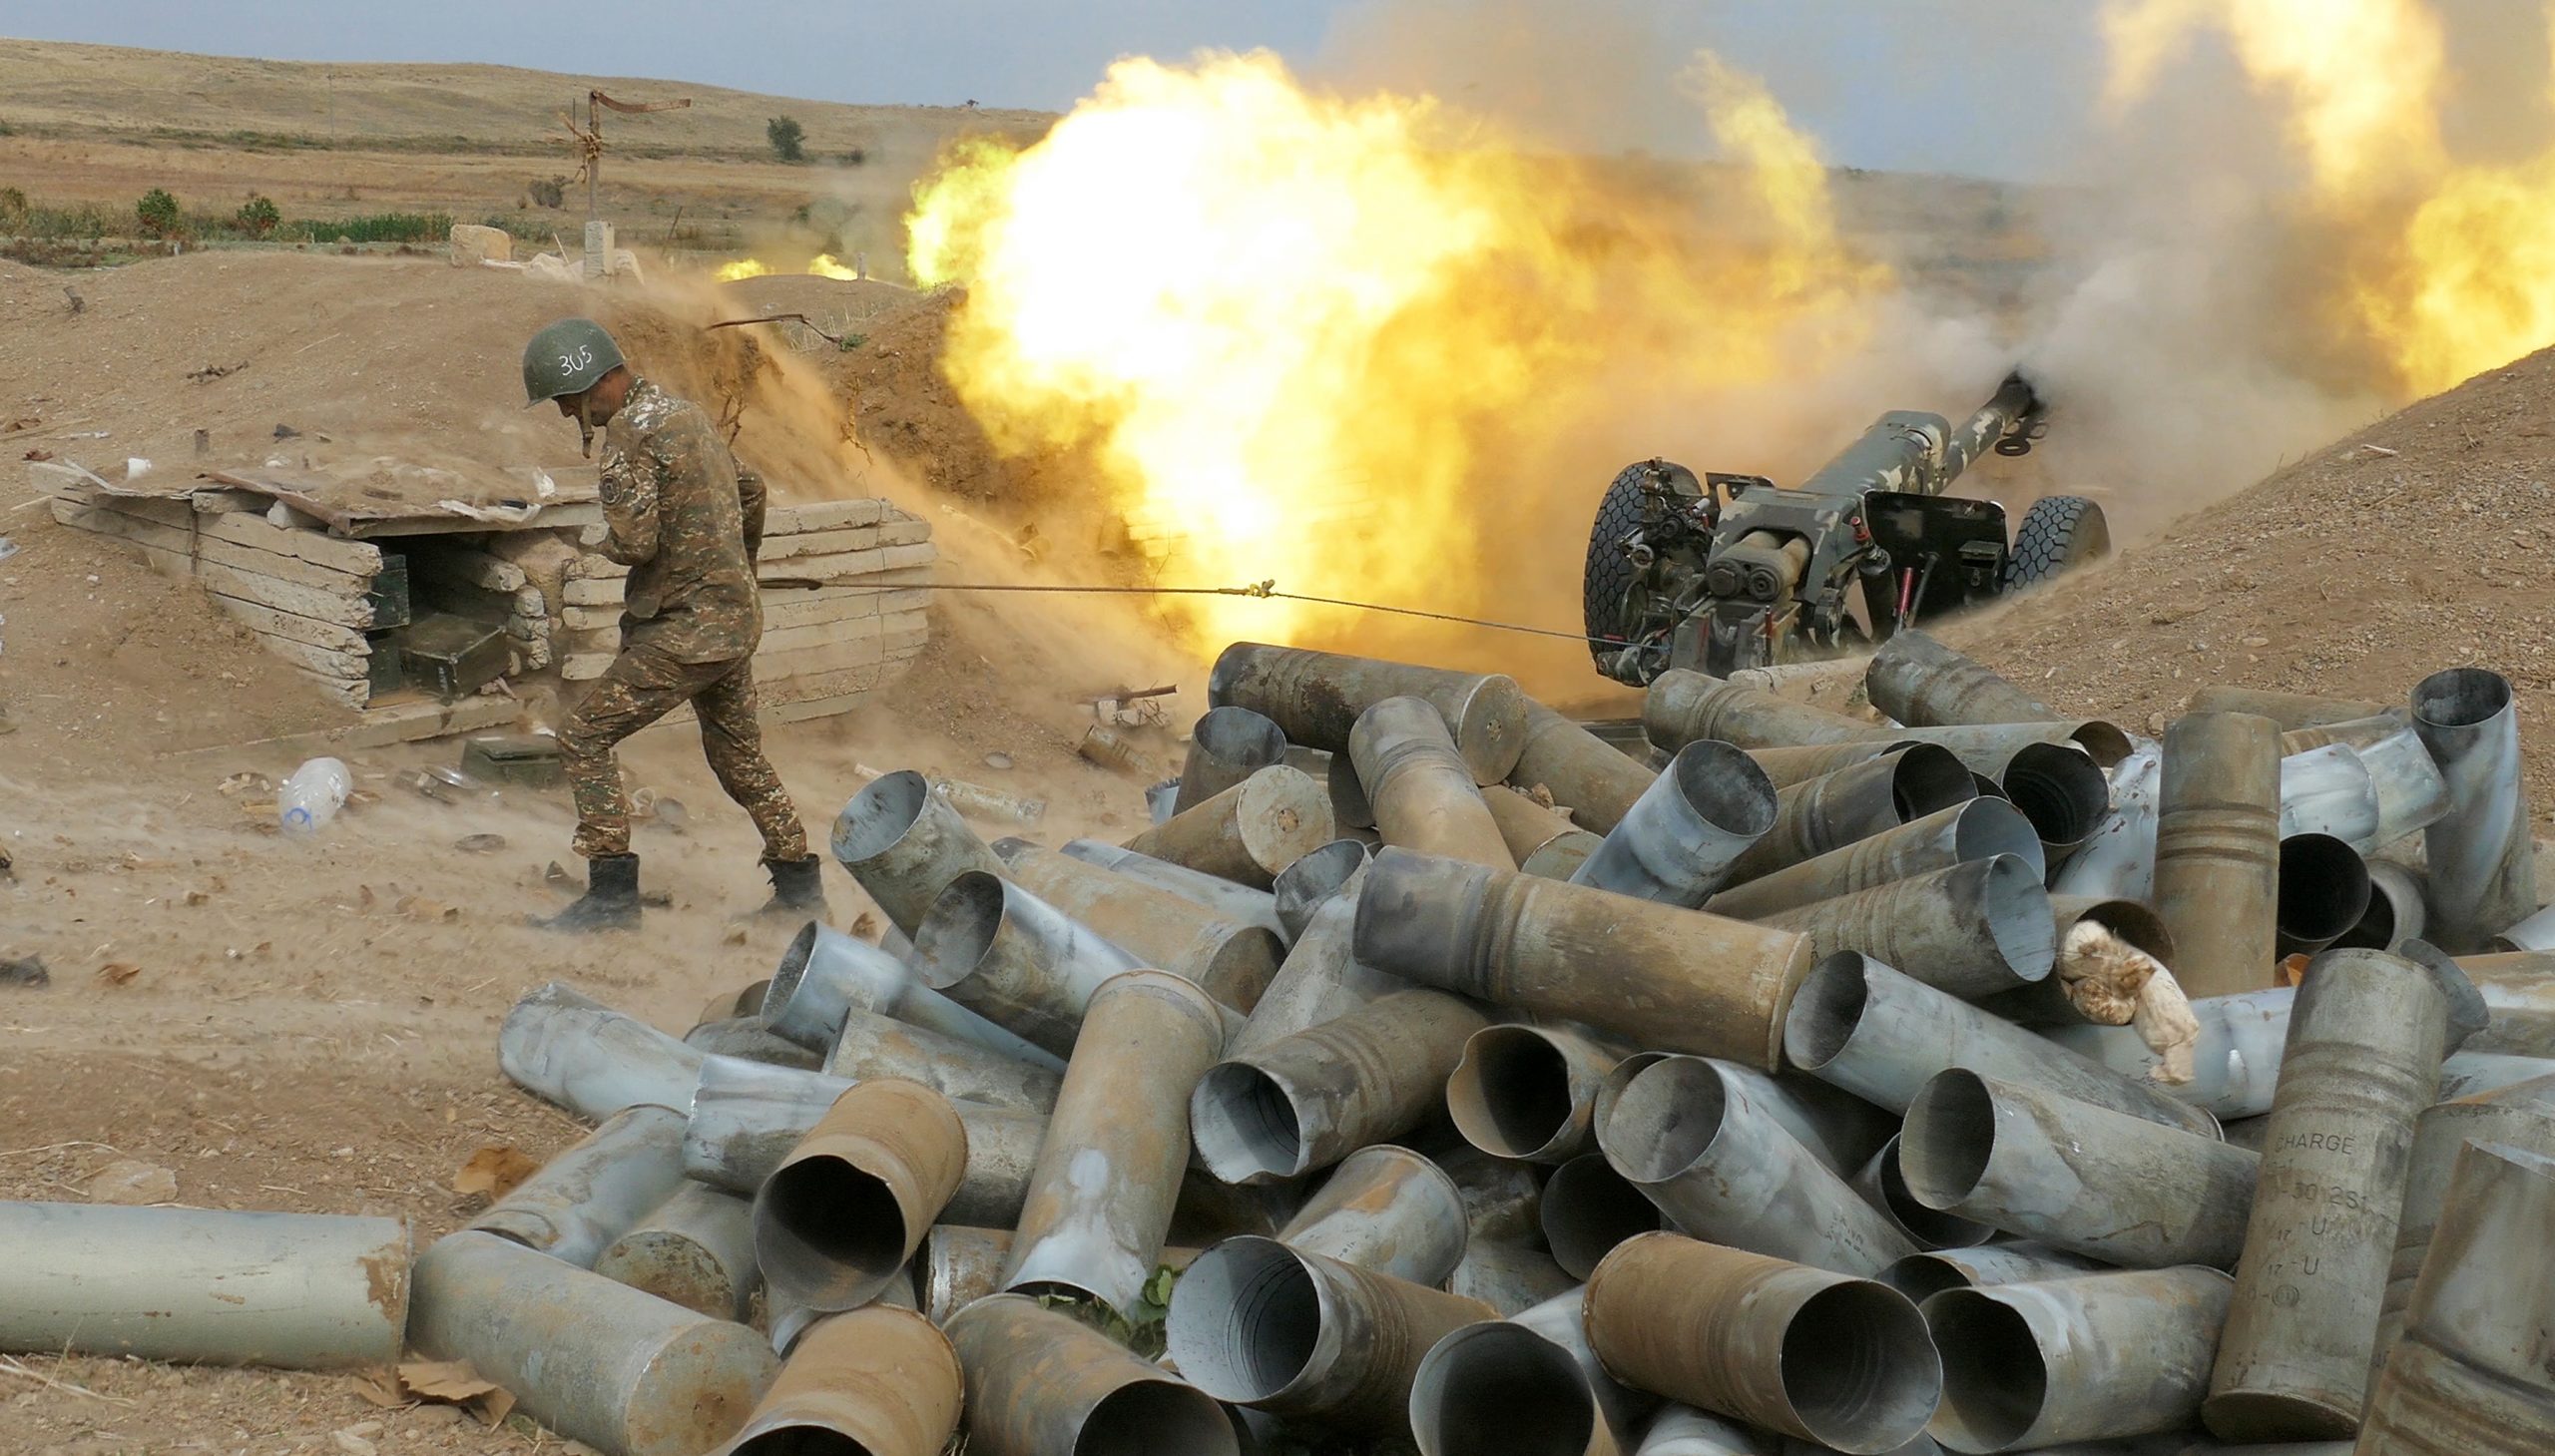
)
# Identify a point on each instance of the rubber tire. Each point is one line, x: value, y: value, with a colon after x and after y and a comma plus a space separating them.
x: 1608, y: 577
x: 2059, y: 534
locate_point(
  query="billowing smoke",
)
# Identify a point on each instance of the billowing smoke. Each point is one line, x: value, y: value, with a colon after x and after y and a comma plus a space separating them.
x: 1384, y: 332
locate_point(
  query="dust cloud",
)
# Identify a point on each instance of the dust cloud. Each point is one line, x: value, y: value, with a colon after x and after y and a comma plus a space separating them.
x: 2283, y: 218
x: 2295, y: 219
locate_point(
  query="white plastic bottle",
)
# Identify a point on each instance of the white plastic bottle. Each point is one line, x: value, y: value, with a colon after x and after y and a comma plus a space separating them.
x: 314, y: 795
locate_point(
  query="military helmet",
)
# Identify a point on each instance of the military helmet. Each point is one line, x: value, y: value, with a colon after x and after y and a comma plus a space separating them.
x: 567, y: 357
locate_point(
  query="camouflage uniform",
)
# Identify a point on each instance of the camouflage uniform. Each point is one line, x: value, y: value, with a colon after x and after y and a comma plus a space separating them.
x: 687, y: 520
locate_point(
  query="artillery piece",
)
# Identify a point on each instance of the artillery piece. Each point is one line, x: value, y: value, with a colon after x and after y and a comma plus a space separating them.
x: 1726, y: 572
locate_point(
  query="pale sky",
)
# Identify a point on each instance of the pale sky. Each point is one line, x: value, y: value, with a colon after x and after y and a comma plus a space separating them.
x: 1985, y: 87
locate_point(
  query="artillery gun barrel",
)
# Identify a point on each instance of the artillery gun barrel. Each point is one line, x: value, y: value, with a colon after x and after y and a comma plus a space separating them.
x: 1923, y: 454
x: 2009, y: 409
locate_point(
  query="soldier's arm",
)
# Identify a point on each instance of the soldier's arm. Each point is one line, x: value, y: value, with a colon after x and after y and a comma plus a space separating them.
x: 630, y: 498
x: 751, y: 499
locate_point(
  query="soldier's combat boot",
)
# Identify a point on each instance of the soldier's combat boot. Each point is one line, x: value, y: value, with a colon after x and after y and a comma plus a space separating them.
x: 797, y: 890
x: 610, y: 900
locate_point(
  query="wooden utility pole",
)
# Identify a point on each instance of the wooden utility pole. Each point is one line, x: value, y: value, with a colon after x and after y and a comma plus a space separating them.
x: 589, y: 137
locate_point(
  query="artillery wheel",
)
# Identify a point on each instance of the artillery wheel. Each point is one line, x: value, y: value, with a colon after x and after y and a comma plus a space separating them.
x: 2059, y: 534
x: 1607, y: 583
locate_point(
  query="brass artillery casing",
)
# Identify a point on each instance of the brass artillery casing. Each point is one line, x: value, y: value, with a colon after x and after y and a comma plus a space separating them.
x: 593, y: 1360
x: 1316, y: 697
x: 1685, y: 707
x: 1682, y: 980
x: 696, y: 1251
x: 1040, y: 1382
x: 1589, y: 1209
x: 999, y: 952
x: 1524, y: 823
x: 1691, y: 831
x: 1823, y: 814
x: 881, y: 1379
x: 1301, y: 1334
x: 1787, y: 766
x: 1308, y: 1099
x: 1861, y: 1026
x: 904, y: 843
x: 1989, y: 747
x: 2323, y: 892
x: 1422, y: 792
x: 2217, y: 851
x: 1311, y: 882
x: 1593, y: 779
x: 1232, y: 961
x: 2482, y: 853
x: 747, y: 1117
x: 1388, y: 1209
x: 1974, y: 929
x: 1528, y: 1092
x: 1101, y: 1196
x: 2080, y: 1359
x: 572, y: 1051
x: 844, y: 1210
x: 1527, y: 1385
x: 1923, y: 683
x: 2086, y: 1178
x: 594, y: 1193
x: 2521, y: 1115
x: 2469, y: 1377
x: 2365, y: 1040
x: 1686, y: 1132
x: 1714, y: 1326
x: 1978, y: 828
x: 1247, y: 833
x: 1228, y: 746
x: 1320, y: 980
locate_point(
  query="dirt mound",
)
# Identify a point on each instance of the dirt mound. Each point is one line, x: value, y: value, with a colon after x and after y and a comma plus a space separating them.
x: 907, y: 407
x: 2415, y: 545
x: 856, y: 302
x: 331, y: 364
x: 369, y: 372
x: 103, y: 659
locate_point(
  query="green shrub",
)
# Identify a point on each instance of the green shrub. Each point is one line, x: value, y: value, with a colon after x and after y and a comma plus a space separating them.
x: 380, y: 228
x: 257, y: 216
x: 84, y: 221
x: 549, y: 192
x: 789, y: 138
x: 13, y: 208
x: 158, y: 213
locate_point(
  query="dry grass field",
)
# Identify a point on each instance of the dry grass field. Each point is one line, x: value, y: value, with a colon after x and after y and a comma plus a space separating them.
x: 101, y: 125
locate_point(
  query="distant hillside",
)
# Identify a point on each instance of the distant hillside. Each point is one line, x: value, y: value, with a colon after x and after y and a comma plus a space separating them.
x: 62, y: 89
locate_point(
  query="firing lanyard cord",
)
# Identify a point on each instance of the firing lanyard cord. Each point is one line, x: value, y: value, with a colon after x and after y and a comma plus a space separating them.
x: 1267, y: 590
